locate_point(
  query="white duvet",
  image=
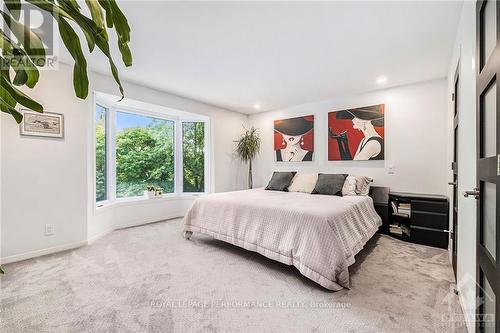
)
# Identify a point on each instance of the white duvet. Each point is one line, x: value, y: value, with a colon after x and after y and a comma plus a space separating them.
x: 318, y: 234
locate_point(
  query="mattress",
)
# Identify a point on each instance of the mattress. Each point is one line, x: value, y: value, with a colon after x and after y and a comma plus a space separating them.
x: 318, y: 234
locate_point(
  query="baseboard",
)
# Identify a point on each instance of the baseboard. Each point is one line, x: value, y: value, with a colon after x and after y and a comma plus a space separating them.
x: 94, y: 238
x: 142, y: 222
x: 42, y: 252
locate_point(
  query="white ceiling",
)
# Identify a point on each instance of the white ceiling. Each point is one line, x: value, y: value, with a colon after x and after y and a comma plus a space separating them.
x: 279, y: 54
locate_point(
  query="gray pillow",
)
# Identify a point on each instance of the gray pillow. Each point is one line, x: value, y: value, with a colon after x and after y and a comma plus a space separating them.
x: 329, y: 184
x: 280, y: 181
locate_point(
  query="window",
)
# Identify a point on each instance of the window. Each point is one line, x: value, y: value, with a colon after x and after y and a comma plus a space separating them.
x: 135, y: 148
x: 144, y: 154
x: 193, y: 156
x: 101, y: 187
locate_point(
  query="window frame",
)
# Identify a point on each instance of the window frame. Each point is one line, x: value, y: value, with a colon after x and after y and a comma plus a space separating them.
x: 107, y: 156
x: 178, y: 120
x: 205, y: 157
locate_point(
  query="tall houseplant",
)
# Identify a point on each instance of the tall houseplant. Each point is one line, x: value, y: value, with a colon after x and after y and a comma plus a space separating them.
x: 24, y: 52
x: 247, y: 148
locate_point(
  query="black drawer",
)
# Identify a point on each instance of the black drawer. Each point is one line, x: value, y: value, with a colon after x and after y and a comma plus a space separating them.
x: 430, y: 206
x: 429, y: 220
x: 429, y: 237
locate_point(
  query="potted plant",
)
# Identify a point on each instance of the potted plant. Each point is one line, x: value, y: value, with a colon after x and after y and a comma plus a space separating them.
x: 159, y: 191
x: 150, y: 192
x: 247, y: 148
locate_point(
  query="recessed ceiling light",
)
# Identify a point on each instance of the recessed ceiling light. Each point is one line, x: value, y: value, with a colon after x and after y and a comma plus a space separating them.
x: 381, y: 79
x: 256, y: 106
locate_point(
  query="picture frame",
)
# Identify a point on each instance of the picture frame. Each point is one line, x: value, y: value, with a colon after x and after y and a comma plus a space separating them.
x: 294, y: 139
x: 47, y: 124
x: 357, y: 134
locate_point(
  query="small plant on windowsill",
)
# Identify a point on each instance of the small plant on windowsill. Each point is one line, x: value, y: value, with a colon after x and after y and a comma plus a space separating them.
x: 150, y: 191
x: 159, y: 192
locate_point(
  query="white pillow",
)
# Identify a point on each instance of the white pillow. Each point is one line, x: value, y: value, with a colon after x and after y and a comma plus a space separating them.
x: 356, y: 185
x: 349, y: 187
x: 303, y: 182
x: 363, y: 185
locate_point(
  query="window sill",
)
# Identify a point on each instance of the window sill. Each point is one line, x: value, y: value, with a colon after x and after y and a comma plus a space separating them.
x: 140, y: 200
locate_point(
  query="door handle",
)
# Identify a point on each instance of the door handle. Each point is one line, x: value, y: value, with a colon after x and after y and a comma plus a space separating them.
x: 475, y: 192
x: 453, y: 183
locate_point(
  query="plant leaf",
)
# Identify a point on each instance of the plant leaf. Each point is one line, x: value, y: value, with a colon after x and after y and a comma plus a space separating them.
x: 103, y: 45
x: 5, y: 107
x: 87, y: 26
x: 14, y: 50
x: 120, y: 21
x: 109, y: 15
x: 7, y: 98
x: 72, y: 43
x: 30, y: 40
x: 126, y: 54
x: 14, y: 7
x: 98, y: 17
x: 21, y: 76
x: 50, y: 7
x: 20, y: 97
x: 72, y: 3
x: 96, y: 12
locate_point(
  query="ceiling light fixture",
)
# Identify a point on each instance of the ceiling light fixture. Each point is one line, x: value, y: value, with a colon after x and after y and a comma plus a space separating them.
x: 381, y: 79
x: 256, y: 106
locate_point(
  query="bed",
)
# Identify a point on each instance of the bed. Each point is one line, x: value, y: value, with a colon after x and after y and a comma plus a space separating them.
x: 318, y: 234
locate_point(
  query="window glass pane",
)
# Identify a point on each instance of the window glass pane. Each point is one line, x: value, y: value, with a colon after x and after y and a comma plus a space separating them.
x: 100, y: 153
x: 144, y: 154
x: 489, y: 122
x: 193, y: 145
x: 488, y: 300
x: 489, y: 208
x: 489, y: 37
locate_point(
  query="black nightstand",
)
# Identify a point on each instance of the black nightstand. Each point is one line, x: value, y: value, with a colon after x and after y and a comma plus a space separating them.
x: 423, y: 219
x: 380, y: 196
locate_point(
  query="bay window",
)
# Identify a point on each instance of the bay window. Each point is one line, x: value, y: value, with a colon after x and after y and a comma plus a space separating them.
x: 135, y: 149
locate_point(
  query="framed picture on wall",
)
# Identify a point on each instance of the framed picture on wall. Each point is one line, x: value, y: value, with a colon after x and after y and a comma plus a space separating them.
x: 45, y: 124
x: 294, y: 139
x: 357, y: 134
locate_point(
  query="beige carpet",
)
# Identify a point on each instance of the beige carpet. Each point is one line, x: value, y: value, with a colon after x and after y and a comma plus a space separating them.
x: 150, y: 279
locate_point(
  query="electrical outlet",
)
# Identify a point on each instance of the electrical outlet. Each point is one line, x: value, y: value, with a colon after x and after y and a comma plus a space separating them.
x: 392, y: 170
x: 49, y: 229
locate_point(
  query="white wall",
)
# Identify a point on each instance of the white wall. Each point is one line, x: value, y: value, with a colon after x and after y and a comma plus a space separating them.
x: 464, y: 52
x: 50, y: 180
x: 44, y: 180
x: 415, y: 133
